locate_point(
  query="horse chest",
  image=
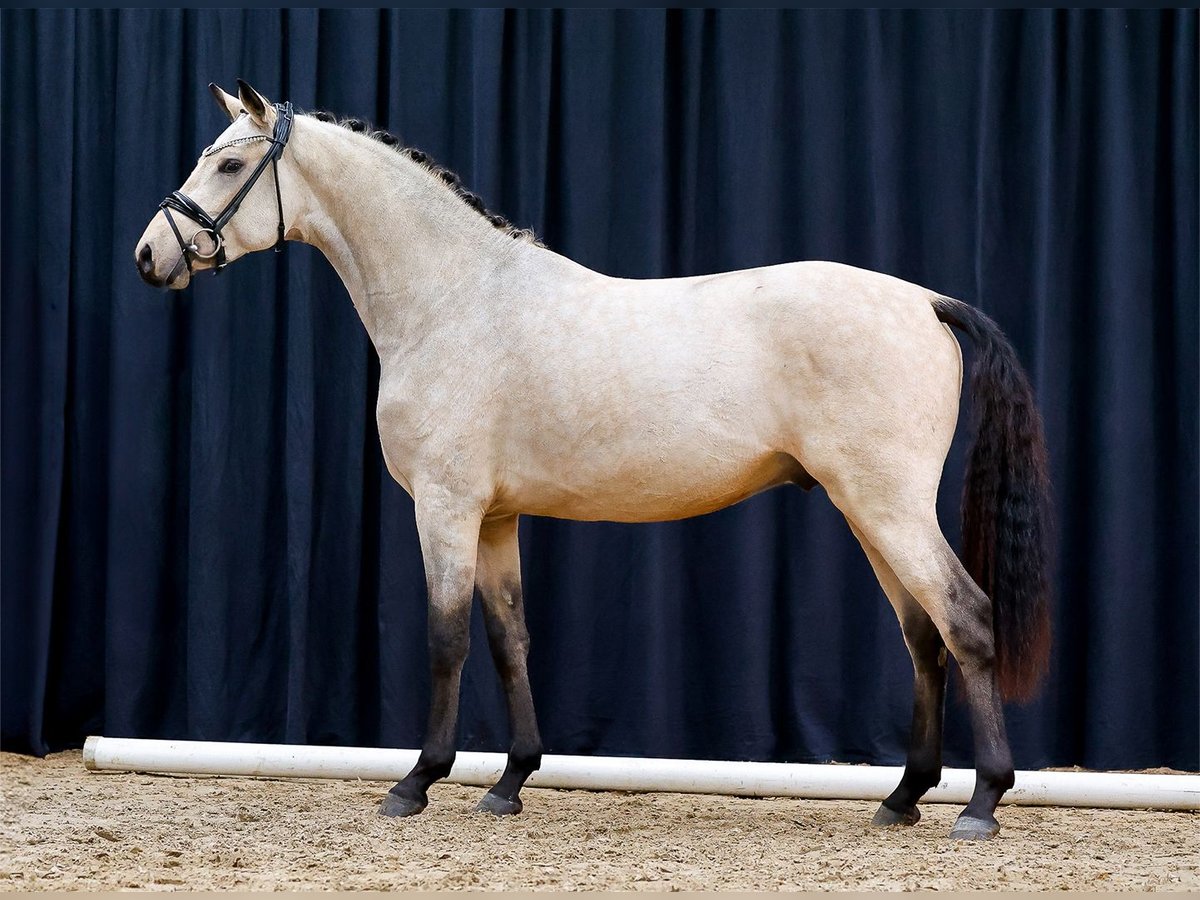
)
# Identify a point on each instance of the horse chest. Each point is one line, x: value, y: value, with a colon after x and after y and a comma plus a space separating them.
x: 427, y: 424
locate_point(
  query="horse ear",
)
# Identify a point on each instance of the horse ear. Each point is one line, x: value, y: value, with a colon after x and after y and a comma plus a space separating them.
x: 230, y: 105
x: 259, y: 107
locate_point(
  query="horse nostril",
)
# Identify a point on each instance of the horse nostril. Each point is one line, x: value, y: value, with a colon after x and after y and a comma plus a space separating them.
x: 145, y: 260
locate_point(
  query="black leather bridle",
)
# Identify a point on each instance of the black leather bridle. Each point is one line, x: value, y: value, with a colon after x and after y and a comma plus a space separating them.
x: 182, y: 203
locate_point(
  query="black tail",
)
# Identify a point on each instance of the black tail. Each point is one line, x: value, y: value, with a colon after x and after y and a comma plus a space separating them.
x: 1006, y: 507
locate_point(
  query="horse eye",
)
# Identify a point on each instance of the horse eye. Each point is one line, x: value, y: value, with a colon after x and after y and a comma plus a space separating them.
x: 230, y: 166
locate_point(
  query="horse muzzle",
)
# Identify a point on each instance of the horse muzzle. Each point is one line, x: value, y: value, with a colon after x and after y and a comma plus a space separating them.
x: 160, y: 268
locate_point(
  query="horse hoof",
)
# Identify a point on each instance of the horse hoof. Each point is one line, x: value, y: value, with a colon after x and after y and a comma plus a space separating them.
x: 394, y: 806
x: 969, y: 828
x: 885, y: 817
x: 498, y: 806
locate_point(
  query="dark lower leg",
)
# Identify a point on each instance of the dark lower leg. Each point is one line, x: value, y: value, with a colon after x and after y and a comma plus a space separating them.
x: 916, y: 564
x: 499, y: 577
x: 923, y: 767
x: 448, y: 650
x: 510, y: 647
x: 993, y: 759
x: 449, y: 544
x: 971, y: 639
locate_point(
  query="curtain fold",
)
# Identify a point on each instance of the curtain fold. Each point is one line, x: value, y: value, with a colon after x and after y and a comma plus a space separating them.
x: 200, y: 539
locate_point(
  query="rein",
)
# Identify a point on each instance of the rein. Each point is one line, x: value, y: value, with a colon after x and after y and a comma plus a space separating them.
x: 182, y: 203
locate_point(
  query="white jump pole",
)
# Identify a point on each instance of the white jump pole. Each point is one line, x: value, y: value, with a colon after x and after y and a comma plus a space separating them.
x: 1112, y: 790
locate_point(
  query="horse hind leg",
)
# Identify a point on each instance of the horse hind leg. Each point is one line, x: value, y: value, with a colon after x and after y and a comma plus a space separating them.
x: 917, y: 553
x: 923, y: 766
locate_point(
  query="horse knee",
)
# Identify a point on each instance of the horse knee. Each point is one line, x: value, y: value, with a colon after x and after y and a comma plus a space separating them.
x: 526, y: 755
x: 510, y: 650
x: 449, y: 641
x: 506, y: 631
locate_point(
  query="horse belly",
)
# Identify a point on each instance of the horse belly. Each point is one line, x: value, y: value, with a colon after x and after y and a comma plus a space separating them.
x: 648, y: 490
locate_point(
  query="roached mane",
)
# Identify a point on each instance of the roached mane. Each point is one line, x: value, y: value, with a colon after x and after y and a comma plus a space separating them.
x: 447, y: 177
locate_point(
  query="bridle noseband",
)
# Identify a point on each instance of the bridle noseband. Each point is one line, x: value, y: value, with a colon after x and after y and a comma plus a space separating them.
x: 181, y: 202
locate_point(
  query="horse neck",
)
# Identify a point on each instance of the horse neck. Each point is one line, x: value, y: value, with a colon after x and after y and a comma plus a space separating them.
x: 413, y: 256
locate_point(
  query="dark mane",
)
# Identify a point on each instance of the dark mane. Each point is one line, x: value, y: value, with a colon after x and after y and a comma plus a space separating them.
x: 447, y: 177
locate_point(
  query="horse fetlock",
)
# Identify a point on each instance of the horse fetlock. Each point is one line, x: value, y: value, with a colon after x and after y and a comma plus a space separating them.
x: 900, y: 808
x: 917, y: 781
x: 436, y: 770
x: 997, y: 779
x: 525, y: 759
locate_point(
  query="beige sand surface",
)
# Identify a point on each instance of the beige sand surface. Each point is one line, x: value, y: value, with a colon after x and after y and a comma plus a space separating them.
x: 62, y: 827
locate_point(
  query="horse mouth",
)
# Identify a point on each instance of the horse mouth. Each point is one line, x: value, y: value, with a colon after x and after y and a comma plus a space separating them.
x: 179, y: 282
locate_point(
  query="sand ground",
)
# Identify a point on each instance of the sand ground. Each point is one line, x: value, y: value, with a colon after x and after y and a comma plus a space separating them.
x: 62, y: 827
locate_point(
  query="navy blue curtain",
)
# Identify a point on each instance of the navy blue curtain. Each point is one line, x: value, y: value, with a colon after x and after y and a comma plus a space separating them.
x: 200, y: 540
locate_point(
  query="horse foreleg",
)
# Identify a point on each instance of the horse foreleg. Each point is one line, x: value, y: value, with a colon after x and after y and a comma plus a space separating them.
x: 923, y: 767
x: 449, y: 534
x: 498, y: 575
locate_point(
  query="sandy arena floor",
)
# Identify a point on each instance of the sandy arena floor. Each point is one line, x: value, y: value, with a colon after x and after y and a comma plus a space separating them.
x: 63, y: 827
